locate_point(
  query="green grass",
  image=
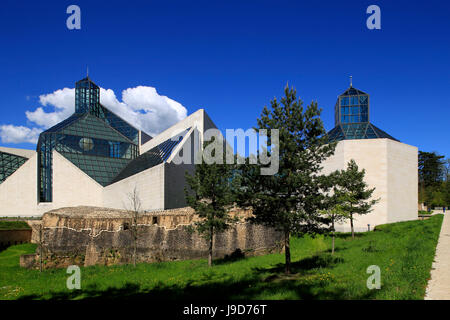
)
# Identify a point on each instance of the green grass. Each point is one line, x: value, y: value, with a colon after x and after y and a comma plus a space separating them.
x: 404, y: 252
x: 11, y: 225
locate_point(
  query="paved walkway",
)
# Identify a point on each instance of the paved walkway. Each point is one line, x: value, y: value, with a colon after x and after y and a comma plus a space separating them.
x: 439, y: 284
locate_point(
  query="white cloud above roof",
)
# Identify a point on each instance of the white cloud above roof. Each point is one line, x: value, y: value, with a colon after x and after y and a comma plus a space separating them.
x: 141, y: 106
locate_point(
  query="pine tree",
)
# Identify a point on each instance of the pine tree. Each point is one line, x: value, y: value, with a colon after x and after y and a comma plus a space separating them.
x: 211, y: 195
x: 354, y: 193
x: 333, y: 203
x: 290, y: 200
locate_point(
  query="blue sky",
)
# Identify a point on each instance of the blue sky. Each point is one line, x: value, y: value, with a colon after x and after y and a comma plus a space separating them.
x: 232, y: 57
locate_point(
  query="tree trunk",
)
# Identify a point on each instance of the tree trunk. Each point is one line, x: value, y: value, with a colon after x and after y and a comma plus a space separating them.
x: 40, y: 247
x: 134, y: 250
x: 332, y: 241
x: 210, y: 251
x: 135, y: 235
x: 287, y: 252
x: 351, y: 225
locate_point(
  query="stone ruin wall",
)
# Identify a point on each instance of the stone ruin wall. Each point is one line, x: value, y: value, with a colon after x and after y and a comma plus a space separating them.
x: 90, y: 235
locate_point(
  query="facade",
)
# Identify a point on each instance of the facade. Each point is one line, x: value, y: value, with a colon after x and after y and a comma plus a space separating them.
x: 96, y: 158
x: 391, y: 166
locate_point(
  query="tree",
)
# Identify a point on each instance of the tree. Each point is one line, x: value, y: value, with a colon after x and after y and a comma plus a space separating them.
x: 353, y: 192
x: 210, y: 195
x: 333, y: 203
x: 447, y: 193
x: 134, y: 208
x: 289, y: 200
x: 432, y: 172
x: 41, y: 245
x: 431, y: 168
x: 447, y: 169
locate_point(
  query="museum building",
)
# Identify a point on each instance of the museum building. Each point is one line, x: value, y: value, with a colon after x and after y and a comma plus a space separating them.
x: 95, y: 158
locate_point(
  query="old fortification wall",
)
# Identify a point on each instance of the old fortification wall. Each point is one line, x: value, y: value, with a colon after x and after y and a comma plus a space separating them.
x: 91, y: 235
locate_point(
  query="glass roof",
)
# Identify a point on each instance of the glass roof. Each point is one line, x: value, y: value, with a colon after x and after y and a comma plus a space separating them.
x: 352, y: 91
x: 9, y: 163
x: 151, y: 158
x: 357, y: 131
x: 90, y: 126
x: 64, y: 123
x: 352, y: 118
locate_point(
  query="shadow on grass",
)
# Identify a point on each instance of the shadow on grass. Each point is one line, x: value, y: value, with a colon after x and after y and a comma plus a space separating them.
x: 211, y: 286
x: 304, y: 265
x: 236, y: 255
x: 228, y: 290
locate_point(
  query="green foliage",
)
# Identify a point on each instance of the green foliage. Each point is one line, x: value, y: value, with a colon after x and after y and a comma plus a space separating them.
x: 211, y: 194
x: 334, y: 199
x: 404, y: 252
x: 291, y: 199
x: 352, y: 192
x: 11, y: 225
x: 437, y: 195
x: 433, y: 179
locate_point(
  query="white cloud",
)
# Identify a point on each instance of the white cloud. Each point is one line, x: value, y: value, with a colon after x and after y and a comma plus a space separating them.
x: 62, y: 102
x: 141, y: 106
x: 19, y: 134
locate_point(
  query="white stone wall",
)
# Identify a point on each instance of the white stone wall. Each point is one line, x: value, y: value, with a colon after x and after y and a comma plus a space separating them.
x: 72, y: 186
x: 402, y: 184
x: 194, y: 120
x: 149, y: 185
x: 18, y: 193
x: 391, y: 167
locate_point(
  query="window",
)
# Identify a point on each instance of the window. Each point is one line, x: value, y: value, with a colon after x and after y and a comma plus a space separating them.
x: 363, y: 100
x: 114, y: 149
x: 344, y: 101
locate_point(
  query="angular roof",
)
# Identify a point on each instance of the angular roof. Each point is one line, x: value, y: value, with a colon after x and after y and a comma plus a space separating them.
x: 151, y: 158
x: 348, y: 131
x: 88, y: 125
x: 93, y: 127
x: 352, y: 91
x: 9, y: 163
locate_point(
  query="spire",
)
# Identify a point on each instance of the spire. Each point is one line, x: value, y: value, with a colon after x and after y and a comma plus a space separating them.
x: 351, y: 81
x: 87, y: 72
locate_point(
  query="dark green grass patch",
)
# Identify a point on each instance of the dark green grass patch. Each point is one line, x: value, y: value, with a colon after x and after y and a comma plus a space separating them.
x: 404, y: 252
x: 11, y: 225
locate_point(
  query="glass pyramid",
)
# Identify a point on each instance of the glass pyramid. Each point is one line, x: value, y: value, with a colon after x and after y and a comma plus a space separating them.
x: 352, y: 118
x: 94, y: 139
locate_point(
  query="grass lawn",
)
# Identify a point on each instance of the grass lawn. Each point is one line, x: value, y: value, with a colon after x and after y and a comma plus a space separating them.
x: 10, y: 225
x: 404, y: 252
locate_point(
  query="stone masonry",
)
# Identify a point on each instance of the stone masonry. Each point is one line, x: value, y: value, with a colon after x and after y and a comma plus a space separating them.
x: 93, y: 235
